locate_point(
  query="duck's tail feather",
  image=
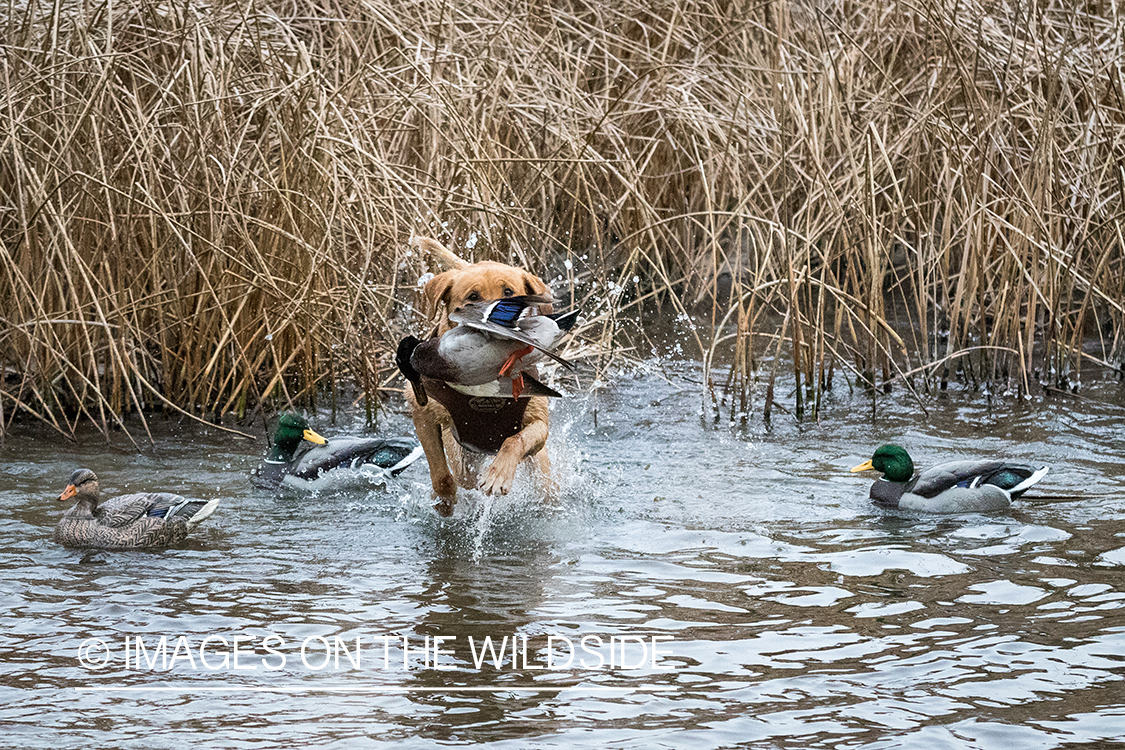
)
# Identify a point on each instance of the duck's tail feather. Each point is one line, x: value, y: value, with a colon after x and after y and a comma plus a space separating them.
x: 532, y: 387
x: 564, y: 362
x: 202, y: 514
x: 565, y: 321
x: 400, y: 467
x: 1022, y: 487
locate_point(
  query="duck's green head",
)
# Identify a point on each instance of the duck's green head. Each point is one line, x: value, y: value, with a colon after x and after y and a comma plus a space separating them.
x: 893, y: 461
x: 291, y: 430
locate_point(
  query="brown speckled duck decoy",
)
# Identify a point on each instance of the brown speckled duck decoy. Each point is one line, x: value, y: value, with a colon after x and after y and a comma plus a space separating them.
x: 149, y: 519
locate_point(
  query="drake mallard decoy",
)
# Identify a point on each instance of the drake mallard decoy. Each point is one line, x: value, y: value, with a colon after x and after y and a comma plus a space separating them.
x: 300, y: 456
x: 491, y: 351
x: 951, y: 487
x: 150, y: 519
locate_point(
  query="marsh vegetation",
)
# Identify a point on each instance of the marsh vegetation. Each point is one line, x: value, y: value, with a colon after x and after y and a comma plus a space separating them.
x: 206, y: 208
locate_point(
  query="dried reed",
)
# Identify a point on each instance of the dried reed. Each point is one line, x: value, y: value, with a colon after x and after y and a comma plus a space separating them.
x: 205, y: 207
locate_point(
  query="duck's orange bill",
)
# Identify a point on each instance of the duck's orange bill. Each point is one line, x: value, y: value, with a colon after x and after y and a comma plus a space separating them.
x: 68, y: 493
x: 865, y: 466
x: 312, y: 437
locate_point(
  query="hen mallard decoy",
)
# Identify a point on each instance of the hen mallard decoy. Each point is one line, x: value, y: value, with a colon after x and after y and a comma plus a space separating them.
x: 951, y: 487
x: 491, y: 351
x: 300, y: 456
x: 150, y: 519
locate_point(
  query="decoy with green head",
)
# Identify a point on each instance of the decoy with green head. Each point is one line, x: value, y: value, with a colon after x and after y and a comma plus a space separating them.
x: 300, y: 456
x: 951, y: 487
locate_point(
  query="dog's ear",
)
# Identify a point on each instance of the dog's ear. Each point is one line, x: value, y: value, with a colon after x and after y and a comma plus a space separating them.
x: 436, y: 292
x: 535, y: 285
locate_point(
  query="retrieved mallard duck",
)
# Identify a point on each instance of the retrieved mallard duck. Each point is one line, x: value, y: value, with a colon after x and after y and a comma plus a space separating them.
x: 951, y: 487
x: 299, y: 456
x: 491, y: 351
x: 151, y: 519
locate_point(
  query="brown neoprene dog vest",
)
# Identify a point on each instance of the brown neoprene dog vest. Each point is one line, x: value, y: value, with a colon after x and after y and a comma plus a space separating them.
x: 480, y: 423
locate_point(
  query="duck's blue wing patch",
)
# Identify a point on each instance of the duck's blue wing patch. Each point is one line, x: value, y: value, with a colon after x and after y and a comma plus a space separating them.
x: 506, y: 312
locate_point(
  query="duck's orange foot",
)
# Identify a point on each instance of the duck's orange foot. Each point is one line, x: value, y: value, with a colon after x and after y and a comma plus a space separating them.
x: 510, y: 362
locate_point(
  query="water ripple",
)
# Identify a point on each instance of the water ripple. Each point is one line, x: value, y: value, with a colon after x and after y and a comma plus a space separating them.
x: 793, y: 613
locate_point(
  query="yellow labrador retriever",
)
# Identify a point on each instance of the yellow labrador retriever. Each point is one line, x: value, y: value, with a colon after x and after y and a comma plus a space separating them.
x: 452, y: 424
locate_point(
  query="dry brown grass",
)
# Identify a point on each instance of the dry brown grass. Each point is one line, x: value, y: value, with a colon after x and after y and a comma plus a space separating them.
x: 206, y: 208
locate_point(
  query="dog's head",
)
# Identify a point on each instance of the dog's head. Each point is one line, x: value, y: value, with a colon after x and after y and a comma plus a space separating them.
x: 486, y: 280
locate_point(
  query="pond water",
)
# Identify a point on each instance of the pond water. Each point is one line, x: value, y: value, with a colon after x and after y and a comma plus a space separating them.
x: 711, y: 587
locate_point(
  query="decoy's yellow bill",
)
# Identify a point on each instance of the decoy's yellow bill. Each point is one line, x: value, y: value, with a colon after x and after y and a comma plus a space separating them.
x: 68, y: 493
x: 312, y: 437
x: 865, y: 466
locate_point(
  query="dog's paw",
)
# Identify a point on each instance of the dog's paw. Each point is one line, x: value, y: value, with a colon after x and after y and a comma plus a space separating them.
x: 497, y: 480
x: 444, y: 506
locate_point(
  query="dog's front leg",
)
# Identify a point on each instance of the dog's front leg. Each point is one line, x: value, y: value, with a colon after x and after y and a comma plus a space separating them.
x: 547, y: 477
x: 445, y: 488
x: 527, y: 442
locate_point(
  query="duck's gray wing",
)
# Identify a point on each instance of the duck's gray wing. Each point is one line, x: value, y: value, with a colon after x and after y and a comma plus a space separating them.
x: 177, y: 508
x: 942, y: 477
x: 474, y: 319
x: 353, y: 452
x: 127, y: 509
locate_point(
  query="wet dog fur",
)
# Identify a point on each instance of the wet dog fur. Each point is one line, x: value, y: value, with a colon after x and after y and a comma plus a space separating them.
x: 449, y: 464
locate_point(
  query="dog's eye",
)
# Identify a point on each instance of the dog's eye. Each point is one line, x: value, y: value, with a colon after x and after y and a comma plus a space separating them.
x: 473, y: 297
x: 508, y: 292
